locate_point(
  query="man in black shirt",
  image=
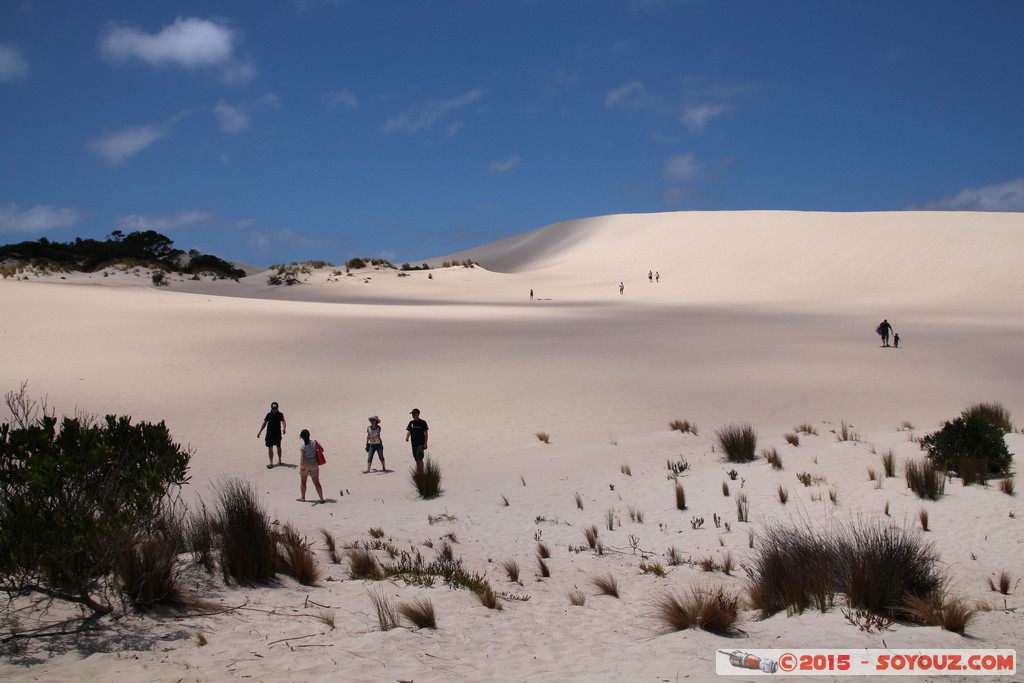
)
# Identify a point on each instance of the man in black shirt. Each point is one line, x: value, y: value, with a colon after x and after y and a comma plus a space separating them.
x: 276, y: 427
x: 416, y: 433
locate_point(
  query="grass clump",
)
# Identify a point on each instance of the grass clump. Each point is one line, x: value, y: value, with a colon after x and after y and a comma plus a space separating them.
x: 683, y: 426
x: 993, y: 413
x: 792, y: 439
x: 772, y: 456
x: 363, y: 565
x: 889, y: 463
x: 428, y: 481
x: 742, y: 507
x: 714, y: 611
x: 511, y: 568
x: 680, y: 497
x: 1007, y: 486
x: 1003, y: 584
x: 925, y: 478
x: 387, y: 614
x: 577, y: 598
x: 543, y: 436
x: 606, y: 585
x: 590, y: 533
x: 805, y: 428
x: 420, y: 612
x: 738, y: 442
x: 246, y: 542
x: 294, y: 557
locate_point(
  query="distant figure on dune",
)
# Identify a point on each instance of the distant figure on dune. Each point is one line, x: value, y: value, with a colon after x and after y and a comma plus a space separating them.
x: 650, y: 276
x: 883, y: 330
x: 896, y: 340
x: 531, y: 295
x: 374, y: 444
x: 416, y: 434
x: 276, y: 426
x: 308, y: 466
x: 657, y: 277
x: 622, y: 288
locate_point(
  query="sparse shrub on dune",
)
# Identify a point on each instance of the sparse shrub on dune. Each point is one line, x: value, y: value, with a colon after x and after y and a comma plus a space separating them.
x: 147, y: 567
x: 579, y: 501
x: 543, y: 568
x: 805, y: 429
x: 783, y: 494
x: 772, y: 456
x: 949, y: 613
x: 427, y: 482
x: 846, y: 432
x: 742, y: 507
x: 969, y: 440
x: 1007, y: 486
x: 511, y: 568
x: 889, y: 463
x: 543, y: 436
x: 792, y: 439
x: 577, y: 598
x: 590, y: 533
x: 738, y: 442
x: 709, y: 610
x: 1003, y: 583
x: 680, y: 497
x: 363, y: 565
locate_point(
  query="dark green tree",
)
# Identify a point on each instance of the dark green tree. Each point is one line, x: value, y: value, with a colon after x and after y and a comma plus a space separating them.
x: 968, y: 438
x: 74, y: 493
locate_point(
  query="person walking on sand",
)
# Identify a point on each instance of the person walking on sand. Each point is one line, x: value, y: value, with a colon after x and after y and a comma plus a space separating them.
x: 896, y: 340
x: 657, y: 277
x: 650, y: 276
x: 883, y: 329
x: 308, y: 467
x: 416, y: 434
x: 531, y: 295
x: 374, y: 444
x: 622, y: 288
x: 276, y: 427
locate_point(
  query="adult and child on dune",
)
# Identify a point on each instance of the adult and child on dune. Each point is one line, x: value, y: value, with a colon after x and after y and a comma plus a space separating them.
x: 311, y: 452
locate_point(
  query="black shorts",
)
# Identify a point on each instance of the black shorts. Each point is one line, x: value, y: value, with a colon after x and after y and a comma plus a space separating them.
x: 271, y: 441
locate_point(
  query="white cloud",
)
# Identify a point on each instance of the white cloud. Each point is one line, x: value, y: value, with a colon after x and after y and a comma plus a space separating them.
x: 37, y: 219
x: 126, y: 143
x: 12, y: 64
x: 632, y: 95
x: 430, y: 113
x: 682, y: 168
x: 188, y: 43
x: 340, y: 98
x: 1008, y: 196
x: 231, y: 119
x: 696, y: 117
x: 184, y: 219
x: 502, y: 165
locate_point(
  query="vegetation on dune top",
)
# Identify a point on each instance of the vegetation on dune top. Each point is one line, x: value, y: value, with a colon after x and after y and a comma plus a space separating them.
x: 148, y: 249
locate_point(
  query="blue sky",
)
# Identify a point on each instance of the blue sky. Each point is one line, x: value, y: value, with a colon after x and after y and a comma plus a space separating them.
x: 269, y: 131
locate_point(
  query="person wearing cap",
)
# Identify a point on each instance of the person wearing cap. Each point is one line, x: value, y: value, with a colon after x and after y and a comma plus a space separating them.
x: 416, y: 433
x: 276, y: 427
x: 374, y: 444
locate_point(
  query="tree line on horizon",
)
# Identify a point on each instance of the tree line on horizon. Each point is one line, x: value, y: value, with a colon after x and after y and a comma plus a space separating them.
x: 146, y: 248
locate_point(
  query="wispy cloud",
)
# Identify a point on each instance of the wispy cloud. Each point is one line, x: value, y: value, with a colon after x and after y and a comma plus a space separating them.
x: 189, y: 43
x: 631, y: 95
x: 126, y: 143
x: 425, y: 116
x: 682, y: 168
x: 340, y: 98
x: 502, y: 165
x: 12, y: 64
x: 231, y: 119
x: 1007, y: 196
x: 159, y: 223
x: 37, y: 219
x: 696, y: 117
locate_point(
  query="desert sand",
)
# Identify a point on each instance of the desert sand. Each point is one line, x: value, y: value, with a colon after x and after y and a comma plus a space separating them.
x: 766, y: 318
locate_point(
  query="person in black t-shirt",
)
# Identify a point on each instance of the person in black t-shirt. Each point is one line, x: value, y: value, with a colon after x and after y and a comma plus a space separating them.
x: 276, y: 427
x: 416, y: 433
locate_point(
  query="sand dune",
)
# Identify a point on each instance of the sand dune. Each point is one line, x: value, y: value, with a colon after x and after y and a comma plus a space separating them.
x: 765, y: 317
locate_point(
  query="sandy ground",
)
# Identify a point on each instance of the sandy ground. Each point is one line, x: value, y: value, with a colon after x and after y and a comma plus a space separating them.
x: 759, y: 317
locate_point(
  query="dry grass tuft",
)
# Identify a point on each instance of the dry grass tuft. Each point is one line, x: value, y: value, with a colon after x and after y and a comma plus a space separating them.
x: 590, y: 533
x: 1003, y: 584
x: 542, y: 567
x: 577, y: 598
x: 783, y: 494
x: 579, y: 501
x: 925, y: 478
x: 737, y: 441
x: 993, y: 413
x: 543, y: 436
x: 708, y: 610
x: 949, y: 613
x: 387, y: 615
x: 889, y: 463
x: 542, y: 550
x: 363, y: 565
x: 742, y: 507
x: 606, y: 585
x: 420, y: 612
x: 772, y: 456
x: 805, y: 429
x: 1007, y: 486
x: 792, y: 439
x: 511, y: 568
x: 680, y: 497
x: 683, y: 426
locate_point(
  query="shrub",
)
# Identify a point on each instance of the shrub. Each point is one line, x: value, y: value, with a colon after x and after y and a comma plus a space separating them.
x: 709, y: 610
x: 846, y: 432
x: 363, y: 565
x: 590, y: 533
x: 792, y: 439
x: 542, y: 567
x: 683, y: 426
x: 993, y: 413
x: 74, y: 494
x: 742, y: 507
x: 889, y: 463
x: 951, y: 614
x: 965, y: 439
x: 1007, y: 486
x: 543, y: 436
x: 772, y: 456
x: 738, y: 441
x: 783, y: 494
x: 579, y: 501
x: 1002, y: 584
x: 577, y: 598
x: 511, y: 568
x: 427, y: 482
x: 294, y: 556
x: 805, y: 429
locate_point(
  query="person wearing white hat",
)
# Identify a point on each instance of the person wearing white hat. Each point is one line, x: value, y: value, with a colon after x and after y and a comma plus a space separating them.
x: 374, y: 444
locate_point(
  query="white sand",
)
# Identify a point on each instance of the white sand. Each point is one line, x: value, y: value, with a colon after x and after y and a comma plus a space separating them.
x: 764, y: 317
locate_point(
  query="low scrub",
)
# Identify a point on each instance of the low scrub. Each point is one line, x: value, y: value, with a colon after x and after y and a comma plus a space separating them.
x: 246, y: 542
x: 428, y: 481
x: 993, y: 413
x: 969, y: 441
x: 420, y: 612
x: 683, y: 426
x: 878, y: 568
x: 925, y: 478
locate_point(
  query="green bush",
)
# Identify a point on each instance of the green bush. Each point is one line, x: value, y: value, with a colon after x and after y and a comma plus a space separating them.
x: 970, y: 438
x: 74, y: 494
